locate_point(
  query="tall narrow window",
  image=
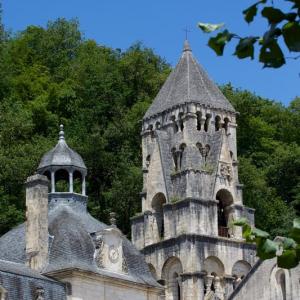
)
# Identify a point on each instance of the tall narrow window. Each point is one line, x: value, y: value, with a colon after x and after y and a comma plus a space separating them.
x: 182, y: 147
x: 199, y: 115
x: 217, y: 123
x: 157, y: 205
x: 181, y: 125
x: 157, y: 125
x: 175, y: 126
x: 225, y: 125
x: 174, y: 156
x: 207, y: 121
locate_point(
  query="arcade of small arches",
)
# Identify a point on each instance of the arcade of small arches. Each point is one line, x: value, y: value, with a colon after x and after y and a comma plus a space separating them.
x: 66, y: 180
x: 213, y: 274
x: 203, y: 122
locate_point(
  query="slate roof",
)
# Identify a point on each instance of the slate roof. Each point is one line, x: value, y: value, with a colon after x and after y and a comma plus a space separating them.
x: 188, y: 83
x: 61, y: 155
x: 72, y: 247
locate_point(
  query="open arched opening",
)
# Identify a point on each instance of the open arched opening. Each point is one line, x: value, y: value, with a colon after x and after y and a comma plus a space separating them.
x: 175, y: 126
x: 77, y: 182
x: 214, y: 285
x: 225, y: 125
x: 148, y: 159
x: 157, y: 125
x: 181, y: 125
x: 207, y: 121
x: 217, y: 123
x: 239, y: 270
x: 157, y: 205
x: 171, y: 274
x: 182, y: 155
x: 199, y: 116
x: 174, y: 156
x: 62, y: 181
x: 224, y: 210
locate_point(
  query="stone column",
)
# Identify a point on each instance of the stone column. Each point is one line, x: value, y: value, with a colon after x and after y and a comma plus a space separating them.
x: 192, y: 286
x: 52, y: 182
x: 83, y: 186
x: 37, y: 236
x: 71, y: 189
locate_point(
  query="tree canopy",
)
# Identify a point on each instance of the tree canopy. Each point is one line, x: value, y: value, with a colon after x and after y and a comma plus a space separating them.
x: 53, y: 75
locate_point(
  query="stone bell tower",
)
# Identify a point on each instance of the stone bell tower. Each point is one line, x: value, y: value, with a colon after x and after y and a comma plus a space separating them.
x: 191, y: 193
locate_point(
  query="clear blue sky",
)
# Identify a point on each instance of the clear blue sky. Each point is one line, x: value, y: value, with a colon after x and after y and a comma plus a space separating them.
x: 159, y: 24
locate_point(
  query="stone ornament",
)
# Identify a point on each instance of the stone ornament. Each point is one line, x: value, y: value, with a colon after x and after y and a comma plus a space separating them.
x: 226, y: 171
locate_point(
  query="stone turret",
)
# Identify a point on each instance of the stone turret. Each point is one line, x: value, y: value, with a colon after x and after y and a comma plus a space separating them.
x: 191, y: 192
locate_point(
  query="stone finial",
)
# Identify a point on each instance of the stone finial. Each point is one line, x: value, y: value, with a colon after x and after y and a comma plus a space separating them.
x: 112, y: 219
x: 186, y: 46
x: 61, y: 132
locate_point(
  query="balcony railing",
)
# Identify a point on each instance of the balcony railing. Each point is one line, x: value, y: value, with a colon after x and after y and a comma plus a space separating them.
x: 223, y: 231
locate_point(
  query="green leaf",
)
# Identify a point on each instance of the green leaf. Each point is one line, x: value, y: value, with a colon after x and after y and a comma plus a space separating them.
x: 240, y: 222
x: 271, y: 35
x: 208, y: 27
x: 289, y: 244
x: 260, y: 233
x: 271, y: 55
x: 245, y: 47
x: 250, y: 13
x: 288, y: 259
x: 274, y: 15
x: 266, y: 249
x: 218, y: 42
x: 291, y: 35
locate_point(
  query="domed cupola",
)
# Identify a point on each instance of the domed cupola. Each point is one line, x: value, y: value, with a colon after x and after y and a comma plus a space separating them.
x: 62, y: 164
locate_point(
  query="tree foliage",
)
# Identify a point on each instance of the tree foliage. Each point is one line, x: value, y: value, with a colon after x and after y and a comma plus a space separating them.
x: 283, y: 28
x: 53, y: 75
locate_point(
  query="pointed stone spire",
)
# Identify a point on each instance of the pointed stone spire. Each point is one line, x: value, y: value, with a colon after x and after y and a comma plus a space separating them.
x: 188, y: 83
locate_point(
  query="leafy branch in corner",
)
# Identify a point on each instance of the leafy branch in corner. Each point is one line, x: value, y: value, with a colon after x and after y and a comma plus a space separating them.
x: 286, y: 249
x: 281, y: 25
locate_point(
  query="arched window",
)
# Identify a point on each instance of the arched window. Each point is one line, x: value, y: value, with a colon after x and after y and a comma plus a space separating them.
x: 150, y: 127
x: 199, y: 115
x: 175, y: 126
x: 148, y: 158
x: 182, y: 147
x: 225, y: 125
x: 204, y: 150
x: 157, y: 205
x: 225, y: 200
x: 214, y: 269
x: 174, y: 156
x: 157, y: 125
x: 62, y: 181
x: 207, y: 121
x: 181, y: 125
x: 217, y: 123
x: 171, y: 274
x: 77, y: 182
x: 239, y: 270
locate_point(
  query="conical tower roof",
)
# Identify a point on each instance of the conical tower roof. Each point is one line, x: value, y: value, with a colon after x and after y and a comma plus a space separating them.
x: 188, y: 83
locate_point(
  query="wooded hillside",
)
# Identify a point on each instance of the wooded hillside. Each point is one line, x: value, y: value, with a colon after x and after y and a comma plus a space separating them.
x: 53, y: 75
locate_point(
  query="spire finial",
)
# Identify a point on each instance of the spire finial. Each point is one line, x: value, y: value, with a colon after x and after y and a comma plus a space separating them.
x: 186, y: 46
x: 61, y: 132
